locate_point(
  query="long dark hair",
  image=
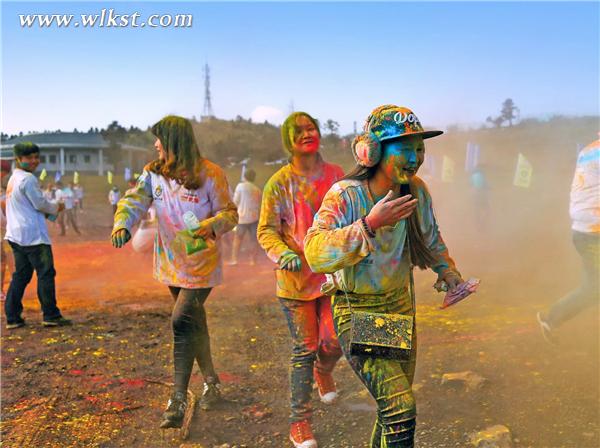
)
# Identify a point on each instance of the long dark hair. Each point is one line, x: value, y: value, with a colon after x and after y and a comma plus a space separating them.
x: 183, y: 161
x: 420, y: 254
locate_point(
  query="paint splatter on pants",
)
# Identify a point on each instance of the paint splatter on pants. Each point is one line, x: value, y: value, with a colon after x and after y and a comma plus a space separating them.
x: 389, y: 381
x: 190, y: 336
x: 588, y: 247
x: 314, y: 344
x: 28, y: 259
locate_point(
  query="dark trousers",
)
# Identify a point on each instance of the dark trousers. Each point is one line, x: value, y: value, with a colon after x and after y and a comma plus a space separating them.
x: 190, y: 336
x: 28, y: 259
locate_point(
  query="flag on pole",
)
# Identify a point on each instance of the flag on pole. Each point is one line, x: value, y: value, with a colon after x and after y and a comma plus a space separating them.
x: 57, y: 176
x: 523, y: 172
x: 75, y: 177
x: 43, y: 174
x: 448, y: 170
x: 127, y: 174
x: 109, y: 177
x: 430, y: 164
x: 472, y: 158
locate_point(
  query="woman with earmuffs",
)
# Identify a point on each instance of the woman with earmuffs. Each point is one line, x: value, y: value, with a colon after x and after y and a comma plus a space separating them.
x: 371, y: 228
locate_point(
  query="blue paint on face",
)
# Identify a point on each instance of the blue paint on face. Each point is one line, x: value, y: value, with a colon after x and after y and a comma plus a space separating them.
x: 402, y: 158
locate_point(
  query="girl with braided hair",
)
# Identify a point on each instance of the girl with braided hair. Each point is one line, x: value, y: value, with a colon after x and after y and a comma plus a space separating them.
x: 369, y: 231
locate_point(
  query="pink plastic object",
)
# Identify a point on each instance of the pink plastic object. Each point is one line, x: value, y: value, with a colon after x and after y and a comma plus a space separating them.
x: 461, y: 292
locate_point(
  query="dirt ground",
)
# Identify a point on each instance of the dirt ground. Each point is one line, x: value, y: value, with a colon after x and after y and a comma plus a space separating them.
x: 98, y: 383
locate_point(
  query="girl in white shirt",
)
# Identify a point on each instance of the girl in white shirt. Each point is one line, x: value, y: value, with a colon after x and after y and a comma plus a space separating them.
x: 180, y: 180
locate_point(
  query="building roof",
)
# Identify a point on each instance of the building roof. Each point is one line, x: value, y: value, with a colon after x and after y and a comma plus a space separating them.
x: 66, y: 140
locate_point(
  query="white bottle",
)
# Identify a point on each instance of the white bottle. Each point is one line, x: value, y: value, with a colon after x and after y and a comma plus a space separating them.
x: 190, y: 220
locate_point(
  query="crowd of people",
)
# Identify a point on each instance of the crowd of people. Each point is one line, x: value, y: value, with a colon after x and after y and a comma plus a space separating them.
x: 345, y: 246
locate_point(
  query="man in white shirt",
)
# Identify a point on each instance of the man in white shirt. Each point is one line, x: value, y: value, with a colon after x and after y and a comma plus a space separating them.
x: 78, y: 192
x: 247, y: 198
x: 584, y: 209
x: 113, y: 197
x: 64, y: 195
x: 27, y: 234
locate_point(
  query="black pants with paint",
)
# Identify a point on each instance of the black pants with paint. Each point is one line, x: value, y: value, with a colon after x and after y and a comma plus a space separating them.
x: 28, y: 259
x: 190, y: 336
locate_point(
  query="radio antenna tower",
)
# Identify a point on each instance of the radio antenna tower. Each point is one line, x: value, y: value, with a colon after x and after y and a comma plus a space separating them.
x: 207, y: 112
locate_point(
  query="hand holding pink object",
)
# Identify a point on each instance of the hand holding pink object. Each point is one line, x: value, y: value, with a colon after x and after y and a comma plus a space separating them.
x: 461, y: 292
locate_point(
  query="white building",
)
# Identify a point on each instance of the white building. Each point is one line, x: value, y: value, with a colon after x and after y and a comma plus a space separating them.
x: 78, y: 151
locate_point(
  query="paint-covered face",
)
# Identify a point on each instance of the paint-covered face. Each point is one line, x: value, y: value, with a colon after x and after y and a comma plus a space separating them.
x: 305, y: 136
x: 159, y: 148
x: 29, y: 162
x: 402, y: 158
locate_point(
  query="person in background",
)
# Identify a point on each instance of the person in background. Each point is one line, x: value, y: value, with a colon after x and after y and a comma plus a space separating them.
x: 372, y: 227
x: 78, y: 193
x: 113, y: 197
x: 585, y: 217
x: 49, y: 192
x: 64, y: 195
x: 481, y: 196
x: 291, y: 198
x: 6, y: 258
x: 247, y: 198
x: 181, y: 183
x: 27, y: 234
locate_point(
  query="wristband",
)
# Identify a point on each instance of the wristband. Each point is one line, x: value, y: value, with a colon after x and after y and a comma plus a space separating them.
x: 366, y: 227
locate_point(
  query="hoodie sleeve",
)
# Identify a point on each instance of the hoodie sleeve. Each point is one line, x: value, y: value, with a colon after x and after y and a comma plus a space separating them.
x: 134, y: 205
x: 224, y: 212
x: 335, y: 241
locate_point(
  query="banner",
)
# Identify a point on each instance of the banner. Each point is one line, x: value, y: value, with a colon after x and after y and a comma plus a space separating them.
x: 43, y: 174
x: 448, y: 170
x: 75, y: 177
x: 109, y: 177
x: 523, y: 172
x: 127, y: 174
x: 57, y: 176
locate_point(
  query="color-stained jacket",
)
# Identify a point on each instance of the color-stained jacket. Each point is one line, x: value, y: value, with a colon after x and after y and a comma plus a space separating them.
x: 337, y: 243
x: 585, y: 190
x: 289, y: 204
x: 172, y: 266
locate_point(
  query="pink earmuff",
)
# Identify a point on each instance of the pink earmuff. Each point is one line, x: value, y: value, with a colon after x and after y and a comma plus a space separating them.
x: 366, y: 149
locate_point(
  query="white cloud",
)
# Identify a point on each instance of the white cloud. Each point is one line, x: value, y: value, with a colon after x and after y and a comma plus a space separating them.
x: 267, y: 113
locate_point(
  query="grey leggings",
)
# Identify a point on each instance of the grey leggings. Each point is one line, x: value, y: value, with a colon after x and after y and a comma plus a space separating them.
x: 190, y: 336
x: 588, y: 292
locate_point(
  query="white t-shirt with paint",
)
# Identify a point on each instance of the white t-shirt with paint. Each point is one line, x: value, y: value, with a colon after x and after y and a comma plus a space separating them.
x: 26, y: 208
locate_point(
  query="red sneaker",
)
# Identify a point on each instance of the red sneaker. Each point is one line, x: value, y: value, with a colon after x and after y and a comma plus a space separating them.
x: 325, y: 386
x: 301, y: 435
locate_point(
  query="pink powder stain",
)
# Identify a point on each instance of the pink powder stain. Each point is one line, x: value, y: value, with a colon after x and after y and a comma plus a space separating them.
x: 132, y: 383
x: 76, y: 372
x: 229, y: 378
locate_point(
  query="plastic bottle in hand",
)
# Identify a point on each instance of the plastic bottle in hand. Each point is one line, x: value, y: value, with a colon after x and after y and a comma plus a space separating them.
x: 192, y: 243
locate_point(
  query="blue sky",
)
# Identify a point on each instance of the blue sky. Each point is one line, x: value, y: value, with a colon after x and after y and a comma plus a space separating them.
x: 451, y: 62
